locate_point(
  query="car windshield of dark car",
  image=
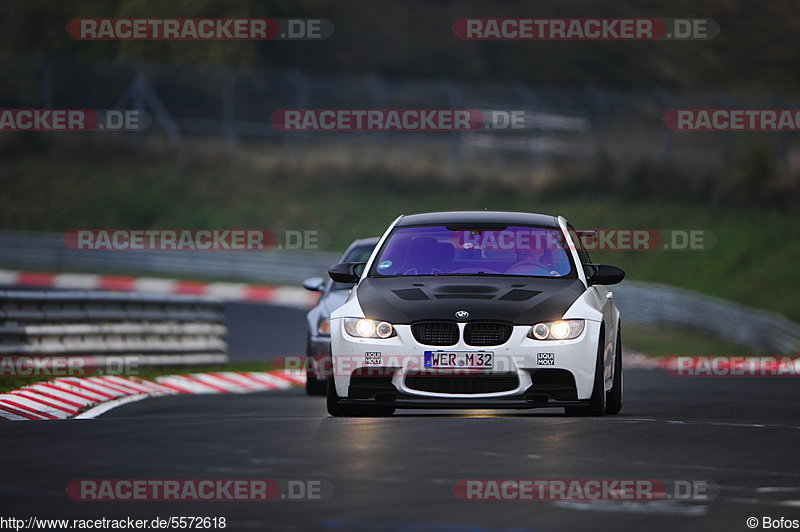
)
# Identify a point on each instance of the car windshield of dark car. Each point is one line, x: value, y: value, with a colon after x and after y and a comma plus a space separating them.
x: 462, y: 250
x: 359, y: 253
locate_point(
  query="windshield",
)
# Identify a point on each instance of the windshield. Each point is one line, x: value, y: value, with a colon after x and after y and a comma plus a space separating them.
x: 462, y: 250
x: 359, y: 253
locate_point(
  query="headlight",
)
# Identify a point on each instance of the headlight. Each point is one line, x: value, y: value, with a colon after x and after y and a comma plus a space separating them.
x: 324, y: 327
x: 557, y: 330
x: 365, y: 328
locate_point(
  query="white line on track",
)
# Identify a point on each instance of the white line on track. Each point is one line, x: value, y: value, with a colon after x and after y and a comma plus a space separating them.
x: 636, y: 507
x: 699, y: 422
x: 102, y: 408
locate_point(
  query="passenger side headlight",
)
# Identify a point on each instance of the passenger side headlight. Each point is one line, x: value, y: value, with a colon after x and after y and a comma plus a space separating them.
x: 557, y: 330
x: 366, y: 328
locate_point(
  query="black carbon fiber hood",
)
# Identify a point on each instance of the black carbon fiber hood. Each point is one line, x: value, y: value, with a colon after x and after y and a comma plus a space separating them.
x: 519, y: 300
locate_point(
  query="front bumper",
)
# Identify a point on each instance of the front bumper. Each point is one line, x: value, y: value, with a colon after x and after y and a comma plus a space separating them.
x: 375, y: 371
x: 383, y: 393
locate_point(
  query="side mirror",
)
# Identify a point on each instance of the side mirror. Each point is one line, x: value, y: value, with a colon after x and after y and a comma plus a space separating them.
x: 604, y: 274
x: 347, y: 272
x: 315, y: 284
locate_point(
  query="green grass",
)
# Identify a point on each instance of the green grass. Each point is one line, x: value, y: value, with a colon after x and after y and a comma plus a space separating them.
x: 668, y: 341
x: 754, y: 259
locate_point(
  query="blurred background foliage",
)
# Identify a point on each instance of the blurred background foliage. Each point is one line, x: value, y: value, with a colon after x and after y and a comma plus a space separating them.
x: 57, y: 183
x: 757, y: 48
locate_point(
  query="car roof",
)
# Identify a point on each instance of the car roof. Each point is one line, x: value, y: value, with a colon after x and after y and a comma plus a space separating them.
x: 372, y: 240
x: 369, y: 241
x: 488, y: 217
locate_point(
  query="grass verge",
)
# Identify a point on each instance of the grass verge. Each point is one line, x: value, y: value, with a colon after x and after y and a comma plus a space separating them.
x: 657, y: 341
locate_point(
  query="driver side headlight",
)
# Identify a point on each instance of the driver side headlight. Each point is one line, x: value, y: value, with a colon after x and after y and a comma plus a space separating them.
x: 366, y: 328
x: 557, y: 330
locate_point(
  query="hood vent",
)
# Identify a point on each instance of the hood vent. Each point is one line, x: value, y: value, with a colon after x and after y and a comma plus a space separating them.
x: 411, y: 294
x: 519, y: 295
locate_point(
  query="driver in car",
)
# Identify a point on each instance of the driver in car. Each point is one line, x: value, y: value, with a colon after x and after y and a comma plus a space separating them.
x: 537, y: 261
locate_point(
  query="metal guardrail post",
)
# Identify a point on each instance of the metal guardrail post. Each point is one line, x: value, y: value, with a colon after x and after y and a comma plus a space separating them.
x: 140, y: 92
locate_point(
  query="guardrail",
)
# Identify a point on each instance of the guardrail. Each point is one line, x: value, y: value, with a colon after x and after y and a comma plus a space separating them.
x: 640, y: 302
x: 658, y: 304
x: 48, y: 251
x: 112, y: 329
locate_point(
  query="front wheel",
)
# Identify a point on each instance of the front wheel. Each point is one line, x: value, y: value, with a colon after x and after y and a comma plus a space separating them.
x: 614, y: 396
x: 597, y: 402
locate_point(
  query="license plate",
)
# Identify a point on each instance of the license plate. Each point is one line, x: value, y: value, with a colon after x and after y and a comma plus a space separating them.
x: 459, y: 359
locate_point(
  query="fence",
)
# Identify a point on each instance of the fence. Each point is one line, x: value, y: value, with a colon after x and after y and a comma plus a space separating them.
x: 565, y: 127
x: 111, y: 331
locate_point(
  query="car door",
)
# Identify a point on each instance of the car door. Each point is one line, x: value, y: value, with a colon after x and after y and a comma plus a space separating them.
x: 603, y: 297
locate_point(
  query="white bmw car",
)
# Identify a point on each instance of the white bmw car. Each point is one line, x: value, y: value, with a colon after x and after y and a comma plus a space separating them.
x: 474, y: 310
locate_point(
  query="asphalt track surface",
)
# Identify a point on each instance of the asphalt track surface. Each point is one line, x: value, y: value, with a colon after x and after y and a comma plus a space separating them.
x: 396, y: 474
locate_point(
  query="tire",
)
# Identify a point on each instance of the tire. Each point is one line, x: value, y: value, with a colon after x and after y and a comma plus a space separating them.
x: 336, y: 409
x: 597, y: 402
x: 614, y: 396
